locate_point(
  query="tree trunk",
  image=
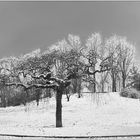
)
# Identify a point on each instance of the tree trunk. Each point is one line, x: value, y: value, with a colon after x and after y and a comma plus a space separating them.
x: 74, y: 85
x: 59, y: 108
x: 123, y: 80
x: 102, y: 87
x: 123, y: 74
x: 79, y: 87
x: 68, y: 97
x: 3, y: 98
x: 94, y: 88
x: 113, y: 83
x: 48, y: 93
x: 94, y: 85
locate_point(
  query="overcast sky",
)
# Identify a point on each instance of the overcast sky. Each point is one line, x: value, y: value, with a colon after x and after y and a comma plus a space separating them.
x: 25, y: 26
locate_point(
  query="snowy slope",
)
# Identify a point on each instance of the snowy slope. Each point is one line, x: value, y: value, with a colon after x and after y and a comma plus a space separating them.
x: 102, y: 114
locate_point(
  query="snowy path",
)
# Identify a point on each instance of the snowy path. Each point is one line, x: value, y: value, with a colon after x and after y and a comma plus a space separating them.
x: 110, y: 114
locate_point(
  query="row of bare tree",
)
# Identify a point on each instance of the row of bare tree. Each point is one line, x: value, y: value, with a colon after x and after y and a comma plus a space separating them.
x: 66, y: 67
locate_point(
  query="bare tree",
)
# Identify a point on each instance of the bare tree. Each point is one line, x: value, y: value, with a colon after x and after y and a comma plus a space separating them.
x: 61, y: 64
x: 68, y: 59
x: 112, y: 45
x: 93, y: 43
x: 35, y: 66
x: 126, y: 57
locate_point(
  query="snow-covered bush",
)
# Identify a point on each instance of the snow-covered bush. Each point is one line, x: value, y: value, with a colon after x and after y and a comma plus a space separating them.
x: 130, y: 93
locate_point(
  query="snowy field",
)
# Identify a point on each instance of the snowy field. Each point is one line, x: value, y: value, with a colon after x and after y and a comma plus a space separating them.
x: 109, y: 114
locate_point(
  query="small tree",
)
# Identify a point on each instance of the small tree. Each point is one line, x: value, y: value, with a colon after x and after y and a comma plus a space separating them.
x: 134, y: 78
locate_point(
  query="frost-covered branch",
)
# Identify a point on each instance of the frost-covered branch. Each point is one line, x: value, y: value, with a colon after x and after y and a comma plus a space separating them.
x: 87, y: 71
x: 26, y: 87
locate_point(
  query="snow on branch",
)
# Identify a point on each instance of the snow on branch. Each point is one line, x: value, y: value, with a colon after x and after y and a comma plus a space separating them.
x: 26, y: 87
x: 44, y: 76
x: 59, y: 81
x: 87, y: 71
x: 48, y: 78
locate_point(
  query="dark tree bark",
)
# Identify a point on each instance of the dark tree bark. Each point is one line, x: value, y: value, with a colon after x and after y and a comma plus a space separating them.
x: 113, y: 83
x: 74, y: 85
x: 123, y: 80
x: 38, y: 93
x: 124, y: 73
x: 94, y: 85
x: 49, y: 93
x: 67, y: 92
x: 102, y: 90
x: 3, y: 97
x: 59, y: 107
x: 123, y: 83
x: 68, y: 98
x: 94, y: 79
x: 79, y: 87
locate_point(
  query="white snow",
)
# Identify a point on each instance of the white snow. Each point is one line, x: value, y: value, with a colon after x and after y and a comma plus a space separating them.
x: 102, y: 114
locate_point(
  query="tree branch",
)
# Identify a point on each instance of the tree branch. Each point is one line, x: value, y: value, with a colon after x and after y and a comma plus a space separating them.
x: 48, y: 78
x: 97, y: 71
x: 26, y: 87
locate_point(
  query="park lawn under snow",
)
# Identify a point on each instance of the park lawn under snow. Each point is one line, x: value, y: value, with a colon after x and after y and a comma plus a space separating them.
x: 109, y: 114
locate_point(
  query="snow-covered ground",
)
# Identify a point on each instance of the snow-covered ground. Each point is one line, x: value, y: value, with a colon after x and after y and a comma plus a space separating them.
x: 102, y: 114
